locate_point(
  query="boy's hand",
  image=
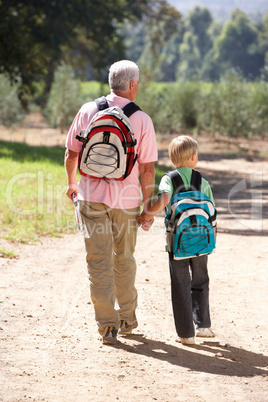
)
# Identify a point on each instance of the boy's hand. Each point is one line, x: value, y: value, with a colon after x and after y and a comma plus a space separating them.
x: 147, y: 224
x: 143, y: 217
x: 145, y: 221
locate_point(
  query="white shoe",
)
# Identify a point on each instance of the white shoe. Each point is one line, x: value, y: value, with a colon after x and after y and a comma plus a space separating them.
x: 186, y: 341
x: 205, y: 332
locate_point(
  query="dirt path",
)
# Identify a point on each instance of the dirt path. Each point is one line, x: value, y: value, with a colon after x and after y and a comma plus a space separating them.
x: 49, y: 346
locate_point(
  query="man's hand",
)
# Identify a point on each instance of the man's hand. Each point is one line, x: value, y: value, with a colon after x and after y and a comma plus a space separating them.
x: 71, y: 159
x: 147, y: 224
x: 145, y: 221
x: 72, y: 188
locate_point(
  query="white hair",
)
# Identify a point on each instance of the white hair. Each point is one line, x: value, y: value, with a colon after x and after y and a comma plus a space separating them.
x: 121, y: 73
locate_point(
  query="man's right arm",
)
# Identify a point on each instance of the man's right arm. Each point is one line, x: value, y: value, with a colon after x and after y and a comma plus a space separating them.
x: 71, y: 161
x: 147, y: 174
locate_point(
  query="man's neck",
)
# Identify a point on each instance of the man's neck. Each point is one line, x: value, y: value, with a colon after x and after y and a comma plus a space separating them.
x: 122, y: 94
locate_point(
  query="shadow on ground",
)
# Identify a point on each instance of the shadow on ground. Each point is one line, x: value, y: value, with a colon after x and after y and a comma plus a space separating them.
x: 223, y: 360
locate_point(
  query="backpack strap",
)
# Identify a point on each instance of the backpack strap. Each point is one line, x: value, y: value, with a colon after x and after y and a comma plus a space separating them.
x: 102, y: 103
x: 177, y: 181
x: 130, y: 108
x: 196, y: 181
x: 178, y: 185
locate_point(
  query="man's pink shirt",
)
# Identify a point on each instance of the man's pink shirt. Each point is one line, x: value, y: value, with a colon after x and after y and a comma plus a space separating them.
x: 124, y: 194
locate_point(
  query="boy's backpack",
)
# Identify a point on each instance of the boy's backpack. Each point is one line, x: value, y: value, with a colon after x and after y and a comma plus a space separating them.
x: 190, y: 220
x: 108, y: 143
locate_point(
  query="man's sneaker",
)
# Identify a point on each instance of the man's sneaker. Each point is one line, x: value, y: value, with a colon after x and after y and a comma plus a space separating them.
x: 205, y: 332
x: 125, y: 329
x: 186, y: 341
x: 110, y: 336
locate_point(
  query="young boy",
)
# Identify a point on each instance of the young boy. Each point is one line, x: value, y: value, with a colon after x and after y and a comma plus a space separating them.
x: 189, y: 277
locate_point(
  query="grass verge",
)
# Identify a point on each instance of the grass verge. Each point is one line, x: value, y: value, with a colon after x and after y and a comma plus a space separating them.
x: 32, y: 193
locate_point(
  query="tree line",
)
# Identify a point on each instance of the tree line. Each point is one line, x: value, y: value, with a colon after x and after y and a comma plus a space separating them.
x: 202, y: 48
x: 48, y: 47
x: 36, y: 36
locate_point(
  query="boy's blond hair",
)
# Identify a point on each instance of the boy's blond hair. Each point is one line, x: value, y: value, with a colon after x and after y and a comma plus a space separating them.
x: 181, y: 149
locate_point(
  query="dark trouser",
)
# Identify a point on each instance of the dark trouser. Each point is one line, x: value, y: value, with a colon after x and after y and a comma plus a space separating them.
x: 190, y: 294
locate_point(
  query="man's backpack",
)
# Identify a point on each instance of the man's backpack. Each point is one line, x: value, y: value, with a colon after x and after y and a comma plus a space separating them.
x: 190, y: 220
x: 108, y: 143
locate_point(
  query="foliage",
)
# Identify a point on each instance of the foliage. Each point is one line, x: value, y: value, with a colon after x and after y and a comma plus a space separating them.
x: 153, y: 100
x: 159, y: 173
x: 151, y: 39
x: 184, y: 100
x: 231, y: 107
x: 64, y: 98
x: 91, y: 90
x: 235, y: 108
x: 37, y: 35
x: 237, y: 46
x: 198, y: 22
x: 10, y: 107
x: 225, y: 108
x: 172, y: 107
x: 198, y: 47
x: 258, y: 103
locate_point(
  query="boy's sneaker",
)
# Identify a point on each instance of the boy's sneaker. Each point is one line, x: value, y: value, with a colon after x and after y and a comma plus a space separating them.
x: 125, y: 329
x: 186, y: 341
x: 110, y: 336
x: 205, y: 332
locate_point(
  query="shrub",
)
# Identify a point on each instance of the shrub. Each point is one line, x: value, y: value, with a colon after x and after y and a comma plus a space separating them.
x: 231, y: 107
x: 172, y: 106
x: 64, y: 99
x: 225, y: 108
x: 92, y: 89
x: 184, y: 99
x: 259, y: 108
x: 10, y: 106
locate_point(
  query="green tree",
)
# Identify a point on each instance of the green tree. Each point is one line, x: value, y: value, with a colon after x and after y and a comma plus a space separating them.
x: 263, y: 38
x: 237, y: 46
x: 190, y: 57
x: 198, y: 22
x: 154, y: 34
x: 210, y: 69
x: 10, y: 107
x: 170, y: 58
x: 196, y: 43
x: 34, y: 35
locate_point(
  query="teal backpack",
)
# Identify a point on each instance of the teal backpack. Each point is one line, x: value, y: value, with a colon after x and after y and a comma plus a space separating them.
x: 190, y: 219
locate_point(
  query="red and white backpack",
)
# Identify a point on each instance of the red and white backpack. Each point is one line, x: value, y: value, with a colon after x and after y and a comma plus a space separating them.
x: 108, y: 143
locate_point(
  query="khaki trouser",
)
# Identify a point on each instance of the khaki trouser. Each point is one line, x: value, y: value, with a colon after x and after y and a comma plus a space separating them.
x: 110, y: 238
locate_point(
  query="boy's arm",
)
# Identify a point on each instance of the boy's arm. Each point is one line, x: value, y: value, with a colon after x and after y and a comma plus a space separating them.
x: 158, y: 206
